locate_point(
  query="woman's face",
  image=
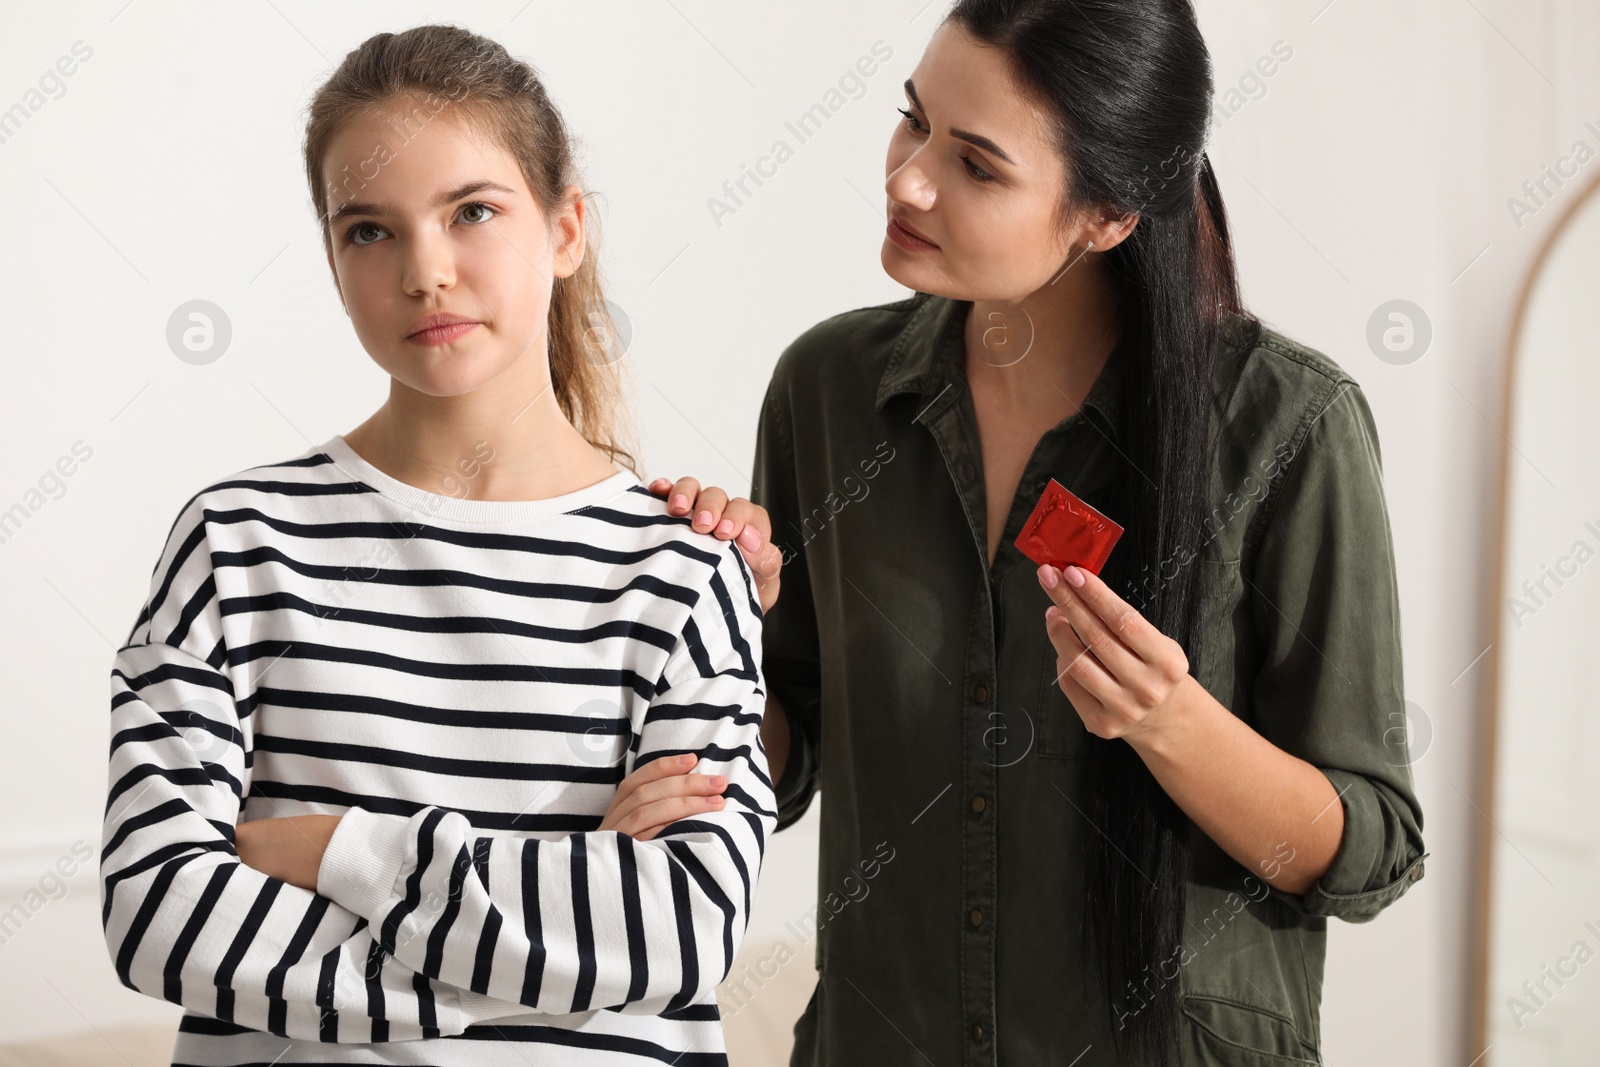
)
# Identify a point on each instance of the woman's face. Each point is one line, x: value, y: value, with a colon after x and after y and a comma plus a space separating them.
x: 443, y: 222
x: 973, y: 170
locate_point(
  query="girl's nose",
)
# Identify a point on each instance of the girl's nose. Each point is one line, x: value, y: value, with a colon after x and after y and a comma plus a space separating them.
x: 429, y: 264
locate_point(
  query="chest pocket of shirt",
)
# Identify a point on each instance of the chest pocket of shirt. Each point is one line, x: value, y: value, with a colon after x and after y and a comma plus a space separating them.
x: 1214, y: 1030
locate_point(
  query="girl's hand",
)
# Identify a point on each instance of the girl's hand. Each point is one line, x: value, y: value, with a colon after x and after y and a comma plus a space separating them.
x: 738, y: 519
x: 660, y: 793
x: 1121, y: 673
x: 289, y: 848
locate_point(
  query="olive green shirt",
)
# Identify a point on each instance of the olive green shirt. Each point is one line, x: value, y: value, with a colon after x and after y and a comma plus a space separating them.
x: 921, y: 687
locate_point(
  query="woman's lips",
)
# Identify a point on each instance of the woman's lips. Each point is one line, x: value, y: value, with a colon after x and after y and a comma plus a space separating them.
x: 908, y: 240
x: 442, y: 335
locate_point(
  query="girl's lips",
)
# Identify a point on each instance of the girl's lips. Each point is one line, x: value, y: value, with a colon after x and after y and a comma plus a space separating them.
x: 908, y: 240
x: 442, y: 335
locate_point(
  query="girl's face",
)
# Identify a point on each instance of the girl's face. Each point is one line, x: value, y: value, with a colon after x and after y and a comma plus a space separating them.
x: 444, y: 223
x: 973, y: 171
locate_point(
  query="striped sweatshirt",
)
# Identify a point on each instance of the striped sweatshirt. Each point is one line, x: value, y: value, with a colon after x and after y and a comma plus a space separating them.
x: 466, y: 682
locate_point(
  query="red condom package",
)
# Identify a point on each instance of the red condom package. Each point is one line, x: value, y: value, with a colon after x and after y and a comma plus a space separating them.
x: 1064, y: 531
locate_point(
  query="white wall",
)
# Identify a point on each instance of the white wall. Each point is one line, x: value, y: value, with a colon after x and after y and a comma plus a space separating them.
x: 1376, y: 166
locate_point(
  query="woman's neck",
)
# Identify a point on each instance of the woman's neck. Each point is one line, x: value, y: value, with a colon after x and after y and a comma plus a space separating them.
x: 1046, y: 350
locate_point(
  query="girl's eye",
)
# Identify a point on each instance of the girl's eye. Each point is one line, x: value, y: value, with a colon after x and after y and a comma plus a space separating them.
x: 911, y: 120
x: 976, y: 171
x: 350, y: 234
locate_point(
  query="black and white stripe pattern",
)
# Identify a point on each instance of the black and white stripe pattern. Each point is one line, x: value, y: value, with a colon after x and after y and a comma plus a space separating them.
x: 466, y: 682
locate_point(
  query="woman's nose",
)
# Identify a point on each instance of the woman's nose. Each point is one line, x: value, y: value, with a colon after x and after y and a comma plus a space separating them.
x: 910, y: 185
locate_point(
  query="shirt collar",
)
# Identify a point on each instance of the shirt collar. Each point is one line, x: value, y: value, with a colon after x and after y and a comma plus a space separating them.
x: 927, y: 357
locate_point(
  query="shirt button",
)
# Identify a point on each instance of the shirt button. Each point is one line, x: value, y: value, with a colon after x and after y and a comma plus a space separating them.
x: 976, y: 918
x: 980, y: 694
x: 977, y: 1031
x: 977, y: 803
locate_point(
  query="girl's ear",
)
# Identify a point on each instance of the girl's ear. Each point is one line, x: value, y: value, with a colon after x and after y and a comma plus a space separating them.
x: 567, y: 226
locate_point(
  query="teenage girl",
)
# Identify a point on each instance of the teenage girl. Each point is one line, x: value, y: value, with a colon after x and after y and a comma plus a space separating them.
x: 402, y: 738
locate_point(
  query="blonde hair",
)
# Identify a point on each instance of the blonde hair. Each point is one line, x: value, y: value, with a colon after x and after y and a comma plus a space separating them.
x: 446, y: 66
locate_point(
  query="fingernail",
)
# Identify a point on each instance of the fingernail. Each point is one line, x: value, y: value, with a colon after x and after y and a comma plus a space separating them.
x: 703, y: 517
x: 715, y: 802
x: 687, y: 759
x: 1074, y: 576
x: 718, y: 781
x: 750, y: 537
x: 1048, y: 575
x: 680, y: 503
x: 1051, y: 612
x: 725, y: 526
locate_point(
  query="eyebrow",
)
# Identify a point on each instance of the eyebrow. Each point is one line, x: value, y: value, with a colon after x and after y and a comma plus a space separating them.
x: 971, y: 138
x: 360, y: 208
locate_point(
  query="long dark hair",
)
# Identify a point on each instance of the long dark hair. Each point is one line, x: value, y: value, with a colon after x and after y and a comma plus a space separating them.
x: 1128, y: 85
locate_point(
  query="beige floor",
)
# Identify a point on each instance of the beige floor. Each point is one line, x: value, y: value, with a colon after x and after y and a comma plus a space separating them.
x: 759, y: 1025
x: 112, y: 1047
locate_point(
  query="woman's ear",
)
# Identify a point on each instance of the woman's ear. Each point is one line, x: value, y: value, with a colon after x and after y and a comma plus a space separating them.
x: 1109, y: 231
x: 567, y: 227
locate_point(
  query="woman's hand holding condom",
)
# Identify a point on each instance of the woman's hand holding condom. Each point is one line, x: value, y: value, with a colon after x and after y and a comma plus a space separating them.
x: 659, y: 794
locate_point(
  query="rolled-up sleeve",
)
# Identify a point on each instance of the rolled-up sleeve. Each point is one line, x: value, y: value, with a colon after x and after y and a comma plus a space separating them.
x: 1329, y: 687
x: 790, y: 656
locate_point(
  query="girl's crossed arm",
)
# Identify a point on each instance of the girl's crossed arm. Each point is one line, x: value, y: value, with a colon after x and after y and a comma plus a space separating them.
x: 596, y: 919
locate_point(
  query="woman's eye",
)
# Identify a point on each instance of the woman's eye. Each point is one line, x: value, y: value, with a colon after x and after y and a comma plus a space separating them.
x: 976, y: 171
x: 911, y: 120
x: 492, y: 212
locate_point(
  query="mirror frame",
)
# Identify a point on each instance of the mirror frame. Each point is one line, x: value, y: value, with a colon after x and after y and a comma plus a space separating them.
x: 1490, y: 731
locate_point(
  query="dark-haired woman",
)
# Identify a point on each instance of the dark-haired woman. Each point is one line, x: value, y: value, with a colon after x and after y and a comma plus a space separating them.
x: 1121, y: 807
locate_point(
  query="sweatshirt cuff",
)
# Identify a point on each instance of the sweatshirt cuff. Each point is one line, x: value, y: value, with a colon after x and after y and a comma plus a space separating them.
x: 362, y: 863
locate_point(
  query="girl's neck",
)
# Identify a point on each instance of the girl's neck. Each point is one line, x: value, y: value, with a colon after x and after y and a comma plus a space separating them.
x: 490, y: 444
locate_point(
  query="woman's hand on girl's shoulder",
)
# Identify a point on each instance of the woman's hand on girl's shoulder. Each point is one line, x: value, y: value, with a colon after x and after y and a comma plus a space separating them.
x: 738, y: 520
